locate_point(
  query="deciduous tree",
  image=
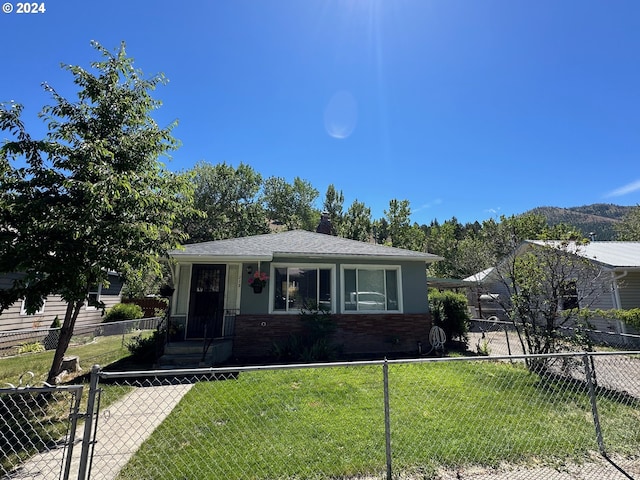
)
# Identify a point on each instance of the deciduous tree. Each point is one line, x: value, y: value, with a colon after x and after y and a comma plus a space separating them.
x: 291, y: 203
x: 548, y: 282
x: 629, y: 228
x: 92, y: 196
x: 229, y: 198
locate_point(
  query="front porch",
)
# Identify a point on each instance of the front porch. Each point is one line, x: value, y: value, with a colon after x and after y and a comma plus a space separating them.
x: 213, y: 348
x: 195, y: 353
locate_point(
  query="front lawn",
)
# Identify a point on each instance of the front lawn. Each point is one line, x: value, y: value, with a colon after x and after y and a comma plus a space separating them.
x: 329, y: 423
x: 102, y: 351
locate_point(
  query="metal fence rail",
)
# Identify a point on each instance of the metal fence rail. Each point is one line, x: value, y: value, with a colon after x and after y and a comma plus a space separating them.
x: 563, y: 416
x: 11, y: 341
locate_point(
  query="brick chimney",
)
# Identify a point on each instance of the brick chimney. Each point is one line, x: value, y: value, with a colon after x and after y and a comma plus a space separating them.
x: 325, y: 224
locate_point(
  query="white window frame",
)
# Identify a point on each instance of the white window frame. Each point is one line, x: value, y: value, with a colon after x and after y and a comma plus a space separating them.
x: 98, y: 293
x: 357, y: 267
x: 23, y: 309
x: 317, y: 266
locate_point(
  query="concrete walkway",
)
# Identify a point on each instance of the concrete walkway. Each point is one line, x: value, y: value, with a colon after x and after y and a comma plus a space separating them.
x: 122, y: 428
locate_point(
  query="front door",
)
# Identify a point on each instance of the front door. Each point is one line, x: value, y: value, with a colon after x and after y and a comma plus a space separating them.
x: 206, y: 306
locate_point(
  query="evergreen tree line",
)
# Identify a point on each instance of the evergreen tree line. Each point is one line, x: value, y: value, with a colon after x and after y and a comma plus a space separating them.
x: 236, y: 202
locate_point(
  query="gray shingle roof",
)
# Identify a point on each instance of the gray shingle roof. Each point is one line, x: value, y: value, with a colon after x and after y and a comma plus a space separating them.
x: 297, y: 243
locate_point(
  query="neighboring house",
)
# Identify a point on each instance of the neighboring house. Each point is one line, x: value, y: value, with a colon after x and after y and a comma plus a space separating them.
x: 376, y: 294
x: 619, y: 289
x: 16, y: 318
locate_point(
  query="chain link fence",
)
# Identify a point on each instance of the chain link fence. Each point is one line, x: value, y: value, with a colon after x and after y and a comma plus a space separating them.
x: 38, y: 424
x: 565, y: 416
x: 496, y: 337
x: 16, y: 342
x: 558, y: 416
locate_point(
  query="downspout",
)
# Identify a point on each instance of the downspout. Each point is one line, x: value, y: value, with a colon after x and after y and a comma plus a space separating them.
x: 617, y: 304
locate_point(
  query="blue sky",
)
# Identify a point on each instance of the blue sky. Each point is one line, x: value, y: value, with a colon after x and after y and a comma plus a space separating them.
x: 471, y: 108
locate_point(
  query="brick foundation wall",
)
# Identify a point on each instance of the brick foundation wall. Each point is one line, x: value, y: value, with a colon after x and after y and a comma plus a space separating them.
x: 357, y: 335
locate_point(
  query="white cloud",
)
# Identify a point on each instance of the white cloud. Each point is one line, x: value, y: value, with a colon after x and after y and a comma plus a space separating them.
x: 629, y: 188
x: 426, y: 206
x: 493, y: 211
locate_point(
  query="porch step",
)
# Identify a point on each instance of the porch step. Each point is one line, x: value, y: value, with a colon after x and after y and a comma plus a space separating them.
x: 189, y: 354
x: 183, y: 348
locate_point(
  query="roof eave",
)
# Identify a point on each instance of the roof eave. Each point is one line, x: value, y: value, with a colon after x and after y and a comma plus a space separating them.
x: 201, y: 257
x: 191, y: 257
x: 354, y: 256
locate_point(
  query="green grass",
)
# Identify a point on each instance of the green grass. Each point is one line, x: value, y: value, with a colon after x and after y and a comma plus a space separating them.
x: 36, y: 420
x: 101, y: 351
x: 329, y: 423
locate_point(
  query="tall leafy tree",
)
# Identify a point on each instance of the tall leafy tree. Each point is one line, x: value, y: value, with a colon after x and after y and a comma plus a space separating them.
x: 546, y: 282
x: 333, y: 205
x: 229, y: 198
x: 291, y: 203
x: 442, y: 239
x: 356, y: 224
x: 629, y: 228
x: 92, y: 196
x: 403, y: 234
x: 380, y: 229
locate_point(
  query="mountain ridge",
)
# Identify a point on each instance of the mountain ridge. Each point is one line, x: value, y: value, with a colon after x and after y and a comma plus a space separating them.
x: 597, y: 220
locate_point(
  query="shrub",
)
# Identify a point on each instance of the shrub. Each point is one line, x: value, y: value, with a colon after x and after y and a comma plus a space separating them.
x: 33, y: 347
x: 449, y: 311
x: 313, y: 343
x: 123, y: 311
x: 144, y: 348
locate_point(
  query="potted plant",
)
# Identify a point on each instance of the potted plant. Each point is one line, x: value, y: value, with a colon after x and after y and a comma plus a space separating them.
x: 176, y: 331
x: 258, y: 281
x: 166, y: 290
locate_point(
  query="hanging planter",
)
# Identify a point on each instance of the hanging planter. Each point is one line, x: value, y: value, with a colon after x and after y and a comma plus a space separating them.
x: 166, y: 290
x: 258, y: 281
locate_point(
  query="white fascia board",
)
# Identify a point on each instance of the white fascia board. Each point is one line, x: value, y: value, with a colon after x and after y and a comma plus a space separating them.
x: 203, y: 258
x: 327, y: 256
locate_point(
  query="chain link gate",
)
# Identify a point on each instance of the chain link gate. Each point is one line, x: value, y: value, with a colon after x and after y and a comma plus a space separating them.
x: 38, y: 431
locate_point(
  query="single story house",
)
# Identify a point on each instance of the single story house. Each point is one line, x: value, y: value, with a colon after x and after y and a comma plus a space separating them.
x: 377, y: 294
x: 619, y: 263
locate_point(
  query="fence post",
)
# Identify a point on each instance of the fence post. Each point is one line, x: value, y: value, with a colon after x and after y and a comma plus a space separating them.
x: 506, y: 334
x: 387, y: 419
x: 72, y: 433
x: 88, y: 425
x: 594, y: 406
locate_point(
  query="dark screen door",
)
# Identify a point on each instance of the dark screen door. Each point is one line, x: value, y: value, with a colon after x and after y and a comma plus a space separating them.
x: 206, y: 306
